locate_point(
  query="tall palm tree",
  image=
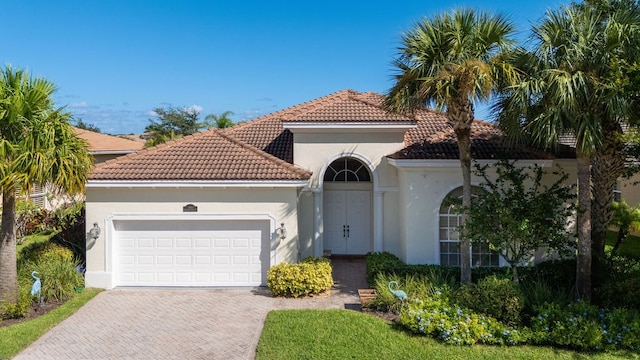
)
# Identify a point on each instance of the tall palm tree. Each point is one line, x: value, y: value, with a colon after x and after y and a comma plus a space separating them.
x: 37, y: 146
x: 221, y: 121
x: 451, y: 61
x: 569, y: 89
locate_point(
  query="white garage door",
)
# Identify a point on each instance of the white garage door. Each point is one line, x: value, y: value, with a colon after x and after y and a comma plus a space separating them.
x: 191, y: 253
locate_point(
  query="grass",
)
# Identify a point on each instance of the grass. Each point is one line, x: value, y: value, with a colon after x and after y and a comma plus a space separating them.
x: 15, y: 338
x: 33, y: 239
x: 629, y: 248
x: 346, y: 334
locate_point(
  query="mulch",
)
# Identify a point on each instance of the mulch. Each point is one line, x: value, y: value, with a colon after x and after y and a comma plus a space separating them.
x: 35, y: 310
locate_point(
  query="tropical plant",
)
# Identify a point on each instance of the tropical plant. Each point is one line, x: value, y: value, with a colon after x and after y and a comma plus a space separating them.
x: 37, y: 146
x: 626, y: 218
x: 568, y: 88
x: 453, y: 60
x: 221, y: 121
x: 518, y: 214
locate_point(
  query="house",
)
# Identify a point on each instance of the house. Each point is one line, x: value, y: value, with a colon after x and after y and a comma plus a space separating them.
x: 102, y: 147
x: 105, y: 147
x: 335, y: 175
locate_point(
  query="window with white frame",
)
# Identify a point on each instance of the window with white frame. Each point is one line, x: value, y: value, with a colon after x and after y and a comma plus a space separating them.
x: 449, y: 225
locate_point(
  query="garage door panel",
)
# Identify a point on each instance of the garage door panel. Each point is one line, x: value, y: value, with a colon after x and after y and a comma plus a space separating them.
x: 192, y: 253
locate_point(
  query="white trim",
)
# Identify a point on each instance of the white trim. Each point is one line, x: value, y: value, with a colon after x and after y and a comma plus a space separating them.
x: 110, y: 231
x: 113, y: 152
x: 378, y: 221
x: 331, y: 126
x: 409, y: 163
x: 362, y: 158
x: 193, y: 184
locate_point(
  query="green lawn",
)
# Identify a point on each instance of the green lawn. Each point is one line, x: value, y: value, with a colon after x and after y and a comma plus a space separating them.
x: 629, y: 248
x: 347, y: 334
x: 16, y: 337
x: 33, y: 239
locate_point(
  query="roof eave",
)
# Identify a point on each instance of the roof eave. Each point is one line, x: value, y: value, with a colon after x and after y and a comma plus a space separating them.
x: 196, y: 183
x: 330, y: 126
x: 442, y: 163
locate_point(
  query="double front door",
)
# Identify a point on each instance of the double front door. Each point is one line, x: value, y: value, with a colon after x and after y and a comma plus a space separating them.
x: 347, y: 221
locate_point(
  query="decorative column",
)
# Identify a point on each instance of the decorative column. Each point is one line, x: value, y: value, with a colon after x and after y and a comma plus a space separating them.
x: 318, y: 247
x: 378, y: 221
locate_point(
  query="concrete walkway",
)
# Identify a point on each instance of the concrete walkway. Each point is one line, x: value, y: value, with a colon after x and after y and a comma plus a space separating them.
x: 182, y: 324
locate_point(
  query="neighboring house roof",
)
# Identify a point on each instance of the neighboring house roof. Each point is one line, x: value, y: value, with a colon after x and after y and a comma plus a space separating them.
x: 205, y: 156
x: 107, y: 144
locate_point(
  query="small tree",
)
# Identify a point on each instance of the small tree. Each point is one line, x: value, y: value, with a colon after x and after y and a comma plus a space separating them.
x: 173, y: 123
x: 518, y: 214
x: 80, y: 124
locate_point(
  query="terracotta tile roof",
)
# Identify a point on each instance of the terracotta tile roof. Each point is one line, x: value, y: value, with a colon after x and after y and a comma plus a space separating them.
x: 210, y: 155
x: 267, y: 133
x: 103, y: 143
x: 262, y: 149
x: 487, y: 142
x: 351, y: 109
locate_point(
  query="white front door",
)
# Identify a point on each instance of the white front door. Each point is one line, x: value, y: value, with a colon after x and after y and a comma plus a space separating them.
x: 347, y: 221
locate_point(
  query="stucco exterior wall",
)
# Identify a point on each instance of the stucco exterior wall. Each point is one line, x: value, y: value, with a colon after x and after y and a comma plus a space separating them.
x: 279, y: 205
x: 420, y: 195
x: 630, y: 190
x: 315, y: 151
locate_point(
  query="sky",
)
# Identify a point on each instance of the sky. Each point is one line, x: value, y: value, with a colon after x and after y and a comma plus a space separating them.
x: 114, y: 61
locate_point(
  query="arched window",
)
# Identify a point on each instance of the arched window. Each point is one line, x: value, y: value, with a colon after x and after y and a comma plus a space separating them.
x: 347, y: 170
x: 450, y: 221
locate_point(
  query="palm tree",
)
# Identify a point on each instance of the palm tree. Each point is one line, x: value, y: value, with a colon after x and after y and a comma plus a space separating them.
x: 37, y: 146
x: 453, y: 60
x: 221, y: 121
x: 569, y: 89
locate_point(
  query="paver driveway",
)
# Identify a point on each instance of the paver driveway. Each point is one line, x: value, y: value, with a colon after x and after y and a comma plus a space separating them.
x: 179, y: 324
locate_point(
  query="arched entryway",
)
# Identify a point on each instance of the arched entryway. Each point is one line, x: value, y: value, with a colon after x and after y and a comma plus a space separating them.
x: 347, y: 189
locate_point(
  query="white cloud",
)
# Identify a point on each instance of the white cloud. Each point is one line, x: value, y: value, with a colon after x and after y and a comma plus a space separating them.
x: 81, y: 104
x: 196, y: 108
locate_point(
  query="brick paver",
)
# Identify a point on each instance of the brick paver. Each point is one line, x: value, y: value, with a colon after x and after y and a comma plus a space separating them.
x: 180, y: 324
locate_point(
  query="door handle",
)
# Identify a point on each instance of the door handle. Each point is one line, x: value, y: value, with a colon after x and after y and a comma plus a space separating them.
x: 344, y: 230
x: 347, y: 230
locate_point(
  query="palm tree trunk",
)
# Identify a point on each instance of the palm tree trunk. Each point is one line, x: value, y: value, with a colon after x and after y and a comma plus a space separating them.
x: 583, y: 258
x: 460, y: 117
x: 607, y: 166
x: 8, y: 266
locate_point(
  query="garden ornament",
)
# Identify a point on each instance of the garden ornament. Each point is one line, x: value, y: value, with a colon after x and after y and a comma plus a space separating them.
x: 36, y: 287
x: 399, y: 294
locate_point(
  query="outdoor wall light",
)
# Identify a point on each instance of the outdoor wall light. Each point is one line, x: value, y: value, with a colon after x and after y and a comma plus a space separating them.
x: 282, y: 232
x: 94, y: 233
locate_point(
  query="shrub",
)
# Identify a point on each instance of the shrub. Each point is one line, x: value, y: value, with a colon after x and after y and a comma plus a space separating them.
x: 20, y: 308
x: 56, y: 268
x: 585, y: 327
x: 31, y: 219
x: 452, y: 324
x: 539, y: 291
x: 494, y: 297
x: 70, y: 222
x: 381, y: 262
x: 621, y: 291
x: 415, y: 286
x: 311, y: 276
